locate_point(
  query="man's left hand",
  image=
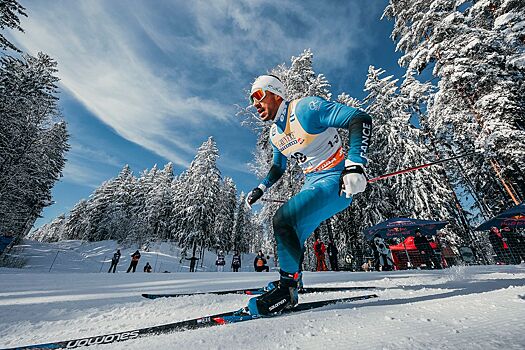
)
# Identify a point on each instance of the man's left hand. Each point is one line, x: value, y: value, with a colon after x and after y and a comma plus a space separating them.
x: 352, y: 179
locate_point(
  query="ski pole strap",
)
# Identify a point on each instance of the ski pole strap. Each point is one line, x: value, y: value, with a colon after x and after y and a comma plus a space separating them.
x: 399, y: 172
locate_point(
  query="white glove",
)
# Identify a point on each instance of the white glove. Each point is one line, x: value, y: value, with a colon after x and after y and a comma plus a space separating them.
x: 353, y: 179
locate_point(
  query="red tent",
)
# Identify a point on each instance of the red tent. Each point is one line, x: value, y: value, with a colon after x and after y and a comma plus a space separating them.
x: 400, y: 252
x: 409, y: 245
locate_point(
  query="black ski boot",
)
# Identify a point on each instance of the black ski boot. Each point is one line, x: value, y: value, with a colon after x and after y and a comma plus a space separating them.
x: 283, y: 296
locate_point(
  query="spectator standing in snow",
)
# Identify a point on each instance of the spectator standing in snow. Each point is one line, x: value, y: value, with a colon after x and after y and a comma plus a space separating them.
x: 332, y: 255
x: 114, y: 261
x: 383, y: 261
x: 236, y: 262
x: 147, y: 267
x: 499, y: 245
x: 193, y: 262
x: 259, y: 263
x: 425, y: 250
x: 320, y: 249
x: 220, y: 262
x: 512, y: 239
x: 135, y: 257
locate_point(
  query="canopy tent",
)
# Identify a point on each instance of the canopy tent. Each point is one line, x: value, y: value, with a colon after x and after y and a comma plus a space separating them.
x: 513, y: 217
x: 403, y: 227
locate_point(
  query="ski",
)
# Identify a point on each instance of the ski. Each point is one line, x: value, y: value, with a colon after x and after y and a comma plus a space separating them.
x: 257, y: 291
x: 200, y: 322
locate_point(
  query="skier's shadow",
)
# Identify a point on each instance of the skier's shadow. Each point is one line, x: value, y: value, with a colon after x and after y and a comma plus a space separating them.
x: 460, y: 288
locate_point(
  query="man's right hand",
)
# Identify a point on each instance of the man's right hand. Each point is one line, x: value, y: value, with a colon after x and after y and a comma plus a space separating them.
x: 253, y: 196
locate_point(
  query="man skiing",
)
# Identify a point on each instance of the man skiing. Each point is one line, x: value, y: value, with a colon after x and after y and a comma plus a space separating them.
x: 114, y: 261
x: 305, y: 130
x: 135, y: 257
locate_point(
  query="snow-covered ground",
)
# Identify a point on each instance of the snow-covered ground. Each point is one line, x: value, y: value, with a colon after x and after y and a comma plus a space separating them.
x: 476, y: 307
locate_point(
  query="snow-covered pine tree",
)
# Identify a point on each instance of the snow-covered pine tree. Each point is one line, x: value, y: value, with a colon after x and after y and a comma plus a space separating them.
x: 77, y: 224
x: 256, y: 233
x: 240, y: 235
x: 34, y: 139
x: 10, y: 10
x: 225, y: 216
x: 51, y: 232
x: 164, y: 195
x: 97, y: 206
x: 158, y: 202
x: 117, y: 220
x: 200, y: 202
x: 178, y: 191
x: 398, y: 144
x: 43, y: 166
x: 477, y: 52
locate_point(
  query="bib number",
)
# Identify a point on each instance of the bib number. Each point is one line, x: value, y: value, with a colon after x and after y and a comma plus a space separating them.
x: 299, y: 157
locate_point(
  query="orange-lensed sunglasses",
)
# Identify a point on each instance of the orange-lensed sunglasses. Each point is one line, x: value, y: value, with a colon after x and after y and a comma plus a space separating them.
x: 258, y: 95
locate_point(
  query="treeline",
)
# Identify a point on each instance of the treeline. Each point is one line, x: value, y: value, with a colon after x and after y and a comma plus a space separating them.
x: 33, y: 135
x: 197, y: 209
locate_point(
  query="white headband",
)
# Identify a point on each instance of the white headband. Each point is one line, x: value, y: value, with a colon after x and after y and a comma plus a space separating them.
x: 269, y: 83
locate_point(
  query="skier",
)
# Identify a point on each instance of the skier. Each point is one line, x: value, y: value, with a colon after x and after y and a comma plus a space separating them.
x: 236, y: 262
x: 259, y: 263
x: 220, y: 262
x: 147, y: 267
x: 320, y: 249
x: 332, y: 255
x: 305, y: 130
x: 114, y: 261
x: 135, y: 257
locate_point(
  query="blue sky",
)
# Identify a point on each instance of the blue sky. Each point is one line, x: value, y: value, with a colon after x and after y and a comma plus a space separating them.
x: 146, y: 82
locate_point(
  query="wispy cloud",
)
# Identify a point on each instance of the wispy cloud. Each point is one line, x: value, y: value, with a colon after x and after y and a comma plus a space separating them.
x: 78, y: 173
x: 166, y: 74
x: 83, y: 152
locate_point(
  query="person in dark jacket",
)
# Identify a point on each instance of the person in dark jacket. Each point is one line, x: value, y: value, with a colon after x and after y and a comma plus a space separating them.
x: 147, y: 267
x: 193, y: 262
x: 425, y: 250
x: 236, y: 262
x: 332, y: 255
x: 259, y: 263
x: 499, y: 245
x: 135, y: 257
x: 114, y: 261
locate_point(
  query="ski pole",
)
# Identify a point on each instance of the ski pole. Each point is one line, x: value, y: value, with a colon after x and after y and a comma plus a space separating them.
x: 385, y: 176
x: 271, y: 200
x: 404, y: 171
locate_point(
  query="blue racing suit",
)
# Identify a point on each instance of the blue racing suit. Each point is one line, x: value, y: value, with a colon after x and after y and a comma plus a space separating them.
x: 304, y: 130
